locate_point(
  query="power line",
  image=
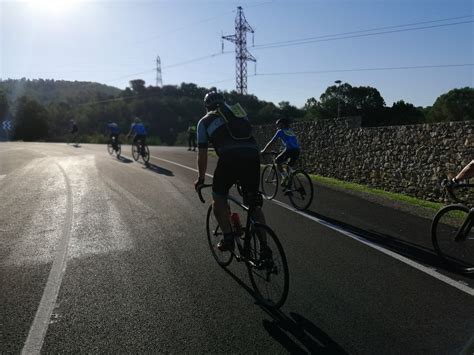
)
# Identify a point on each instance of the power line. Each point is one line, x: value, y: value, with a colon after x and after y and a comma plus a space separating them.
x: 302, y: 42
x: 367, y: 69
x: 366, y: 30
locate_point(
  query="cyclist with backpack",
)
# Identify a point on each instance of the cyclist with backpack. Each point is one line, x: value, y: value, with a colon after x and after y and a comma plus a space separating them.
x: 291, y: 152
x: 228, y: 129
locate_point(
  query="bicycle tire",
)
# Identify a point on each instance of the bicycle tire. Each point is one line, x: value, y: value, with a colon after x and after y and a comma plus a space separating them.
x: 110, y: 149
x: 301, y: 190
x: 269, y: 181
x: 260, y: 271
x: 445, y: 226
x: 135, y: 151
x: 119, y: 149
x: 214, y: 236
x: 146, y: 155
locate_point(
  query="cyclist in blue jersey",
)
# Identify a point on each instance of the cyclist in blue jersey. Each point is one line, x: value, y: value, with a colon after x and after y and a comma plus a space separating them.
x: 291, y: 152
x: 139, y: 130
x: 114, y: 131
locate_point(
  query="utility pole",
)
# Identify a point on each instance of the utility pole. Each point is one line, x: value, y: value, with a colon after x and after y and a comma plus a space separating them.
x: 242, y: 55
x: 159, y: 80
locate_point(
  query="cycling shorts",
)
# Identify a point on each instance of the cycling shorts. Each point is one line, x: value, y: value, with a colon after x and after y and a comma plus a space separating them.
x: 290, y: 155
x: 242, y: 165
x: 139, y: 137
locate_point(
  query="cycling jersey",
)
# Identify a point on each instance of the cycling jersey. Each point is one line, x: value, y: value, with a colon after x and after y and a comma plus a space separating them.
x: 213, y: 128
x: 139, y: 129
x: 288, y: 137
x: 113, y: 128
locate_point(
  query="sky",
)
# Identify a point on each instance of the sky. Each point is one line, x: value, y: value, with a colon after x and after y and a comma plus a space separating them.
x: 113, y: 42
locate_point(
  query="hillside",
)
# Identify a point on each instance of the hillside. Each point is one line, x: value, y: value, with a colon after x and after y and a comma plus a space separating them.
x: 50, y: 91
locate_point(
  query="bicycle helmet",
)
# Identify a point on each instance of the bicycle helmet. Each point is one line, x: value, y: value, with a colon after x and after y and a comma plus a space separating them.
x: 213, y: 99
x: 136, y: 120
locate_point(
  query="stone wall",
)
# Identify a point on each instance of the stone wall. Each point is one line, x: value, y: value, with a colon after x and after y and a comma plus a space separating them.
x: 410, y: 159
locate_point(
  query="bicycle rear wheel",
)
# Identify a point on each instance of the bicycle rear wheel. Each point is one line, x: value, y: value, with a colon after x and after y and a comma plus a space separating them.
x: 214, y: 236
x: 146, y: 153
x: 300, y: 190
x: 269, y: 181
x: 268, y: 271
x: 110, y: 148
x: 135, y: 151
x: 446, y: 226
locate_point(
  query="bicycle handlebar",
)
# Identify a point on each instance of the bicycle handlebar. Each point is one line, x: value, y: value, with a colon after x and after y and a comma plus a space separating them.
x: 203, y: 186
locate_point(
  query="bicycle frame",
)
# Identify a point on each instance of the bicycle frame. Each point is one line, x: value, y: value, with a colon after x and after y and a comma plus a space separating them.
x: 250, y: 221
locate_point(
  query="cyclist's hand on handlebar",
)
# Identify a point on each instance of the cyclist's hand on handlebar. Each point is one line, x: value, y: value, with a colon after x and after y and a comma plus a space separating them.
x: 198, y: 183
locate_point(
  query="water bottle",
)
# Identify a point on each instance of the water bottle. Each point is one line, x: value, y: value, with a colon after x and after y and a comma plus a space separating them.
x: 236, y: 225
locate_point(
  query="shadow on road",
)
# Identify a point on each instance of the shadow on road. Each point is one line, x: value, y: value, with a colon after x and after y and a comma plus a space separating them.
x: 294, y: 332
x: 410, y: 250
x: 124, y: 160
x: 157, y: 169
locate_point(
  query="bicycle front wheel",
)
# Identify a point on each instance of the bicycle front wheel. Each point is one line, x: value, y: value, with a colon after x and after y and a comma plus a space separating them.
x: 269, y: 182
x: 146, y: 154
x: 110, y: 148
x: 214, y: 236
x: 267, y: 266
x: 135, y: 151
x: 452, y: 234
x: 119, y: 149
x: 300, y: 190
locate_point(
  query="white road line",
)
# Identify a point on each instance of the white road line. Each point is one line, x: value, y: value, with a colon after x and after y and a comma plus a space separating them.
x: 460, y: 286
x: 38, y: 329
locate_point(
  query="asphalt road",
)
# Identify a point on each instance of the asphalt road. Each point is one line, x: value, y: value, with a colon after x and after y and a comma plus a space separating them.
x: 105, y: 255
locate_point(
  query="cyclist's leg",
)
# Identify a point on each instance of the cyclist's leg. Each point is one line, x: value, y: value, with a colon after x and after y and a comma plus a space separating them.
x: 249, y: 178
x: 293, y: 157
x: 280, y: 160
x: 223, y: 180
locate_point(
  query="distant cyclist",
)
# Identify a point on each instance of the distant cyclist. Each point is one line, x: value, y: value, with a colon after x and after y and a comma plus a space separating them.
x: 229, y: 130
x: 139, y: 130
x: 192, y: 135
x: 114, y: 132
x: 291, y: 152
x: 73, y: 131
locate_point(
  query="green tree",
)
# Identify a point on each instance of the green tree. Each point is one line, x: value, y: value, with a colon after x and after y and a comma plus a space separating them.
x: 3, y: 106
x: 31, y: 120
x: 402, y: 113
x: 364, y: 101
x: 455, y: 105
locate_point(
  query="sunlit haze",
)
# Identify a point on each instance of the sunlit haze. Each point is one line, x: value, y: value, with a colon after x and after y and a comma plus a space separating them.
x: 411, y: 50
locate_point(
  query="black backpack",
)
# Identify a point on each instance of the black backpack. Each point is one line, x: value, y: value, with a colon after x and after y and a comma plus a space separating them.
x: 237, y: 123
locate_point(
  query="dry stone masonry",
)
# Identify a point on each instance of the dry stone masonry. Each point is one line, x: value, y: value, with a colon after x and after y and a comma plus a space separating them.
x: 410, y: 159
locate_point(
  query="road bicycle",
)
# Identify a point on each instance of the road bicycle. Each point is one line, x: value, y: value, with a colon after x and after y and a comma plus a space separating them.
x: 452, y: 229
x: 267, y: 266
x: 297, y: 186
x: 140, y: 149
x: 114, y: 146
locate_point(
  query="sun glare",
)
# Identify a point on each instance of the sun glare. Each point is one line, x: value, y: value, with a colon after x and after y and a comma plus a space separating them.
x: 53, y: 7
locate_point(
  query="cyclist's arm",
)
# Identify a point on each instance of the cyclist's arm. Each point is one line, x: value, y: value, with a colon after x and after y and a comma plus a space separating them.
x: 466, y: 173
x: 270, y: 142
x: 203, y: 144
